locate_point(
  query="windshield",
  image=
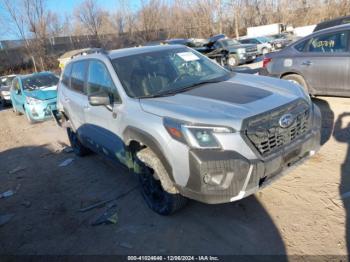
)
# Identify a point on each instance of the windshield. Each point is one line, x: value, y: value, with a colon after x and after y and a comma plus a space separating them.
x: 263, y: 39
x: 39, y: 81
x: 166, y: 71
x: 230, y: 42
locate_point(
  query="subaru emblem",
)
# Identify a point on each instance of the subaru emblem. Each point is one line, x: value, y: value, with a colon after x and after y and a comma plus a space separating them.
x: 286, y: 120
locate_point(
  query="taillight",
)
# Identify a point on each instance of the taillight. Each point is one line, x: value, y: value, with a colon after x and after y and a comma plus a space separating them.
x: 266, y: 61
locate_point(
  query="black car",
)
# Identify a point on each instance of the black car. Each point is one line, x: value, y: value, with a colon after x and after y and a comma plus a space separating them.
x: 333, y: 22
x: 280, y: 41
x: 228, y: 52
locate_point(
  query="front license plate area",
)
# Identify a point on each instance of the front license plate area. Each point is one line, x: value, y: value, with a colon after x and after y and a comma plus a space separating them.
x: 292, y: 156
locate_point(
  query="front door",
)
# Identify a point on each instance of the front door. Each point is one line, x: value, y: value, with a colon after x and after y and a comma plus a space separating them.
x: 326, y: 63
x: 102, y: 122
x: 17, y: 95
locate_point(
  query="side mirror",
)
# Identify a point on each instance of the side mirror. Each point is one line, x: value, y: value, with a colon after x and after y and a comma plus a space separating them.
x: 99, y: 99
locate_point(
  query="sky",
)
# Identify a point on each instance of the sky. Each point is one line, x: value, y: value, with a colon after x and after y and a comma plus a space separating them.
x: 63, y: 7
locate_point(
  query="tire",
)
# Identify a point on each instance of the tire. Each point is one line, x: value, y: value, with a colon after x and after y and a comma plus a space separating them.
x: 78, y: 148
x: 156, y: 197
x: 30, y: 120
x: 264, y: 51
x: 297, y: 79
x: 232, y: 61
x: 17, y: 113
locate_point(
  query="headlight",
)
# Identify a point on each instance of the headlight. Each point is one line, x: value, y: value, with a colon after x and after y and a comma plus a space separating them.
x: 241, y: 50
x: 196, y: 136
x: 32, y: 101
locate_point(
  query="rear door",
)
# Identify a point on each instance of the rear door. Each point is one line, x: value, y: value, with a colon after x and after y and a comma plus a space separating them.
x: 74, y: 97
x: 326, y: 63
x: 103, y: 122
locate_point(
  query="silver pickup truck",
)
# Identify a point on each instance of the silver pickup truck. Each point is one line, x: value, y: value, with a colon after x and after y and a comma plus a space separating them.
x: 188, y: 127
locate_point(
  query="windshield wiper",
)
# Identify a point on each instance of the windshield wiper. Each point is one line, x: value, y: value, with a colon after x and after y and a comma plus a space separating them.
x: 177, y: 91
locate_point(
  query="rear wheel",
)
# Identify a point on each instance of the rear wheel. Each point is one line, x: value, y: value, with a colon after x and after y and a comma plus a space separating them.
x: 156, y: 197
x: 296, y: 79
x: 78, y: 148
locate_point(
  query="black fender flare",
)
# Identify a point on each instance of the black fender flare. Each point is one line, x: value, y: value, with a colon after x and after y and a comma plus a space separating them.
x: 133, y: 133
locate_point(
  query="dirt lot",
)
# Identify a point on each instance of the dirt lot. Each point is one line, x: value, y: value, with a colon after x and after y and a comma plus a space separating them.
x: 302, y: 213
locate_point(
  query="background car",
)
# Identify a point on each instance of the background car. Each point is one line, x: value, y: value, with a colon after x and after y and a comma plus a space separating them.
x: 228, y: 52
x: 319, y: 62
x: 263, y: 44
x: 279, y: 41
x: 34, y: 95
x: 333, y: 22
x: 5, y: 85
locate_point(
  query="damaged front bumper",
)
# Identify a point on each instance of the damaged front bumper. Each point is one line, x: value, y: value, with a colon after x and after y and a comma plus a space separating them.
x: 219, y: 176
x: 41, y: 111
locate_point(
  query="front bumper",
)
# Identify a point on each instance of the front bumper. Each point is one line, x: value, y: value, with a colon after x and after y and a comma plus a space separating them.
x: 219, y: 176
x: 247, y: 57
x: 5, y: 97
x: 42, y: 111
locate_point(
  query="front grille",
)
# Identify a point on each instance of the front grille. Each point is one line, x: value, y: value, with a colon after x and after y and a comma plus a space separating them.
x: 251, y: 49
x: 267, y: 136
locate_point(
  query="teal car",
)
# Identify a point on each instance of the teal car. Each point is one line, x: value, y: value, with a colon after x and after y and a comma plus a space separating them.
x: 34, y: 95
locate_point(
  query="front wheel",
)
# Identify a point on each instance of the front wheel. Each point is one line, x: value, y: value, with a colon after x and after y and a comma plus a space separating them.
x: 157, y: 199
x: 152, y: 189
x: 14, y: 109
x: 78, y: 148
x: 232, y: 61
x: 30, y: 120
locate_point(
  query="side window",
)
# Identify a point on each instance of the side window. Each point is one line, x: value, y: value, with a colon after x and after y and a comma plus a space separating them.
x: 330, y: 43
x: 301, y: 46
x: 217, y: 45
x: 78, y: 76
x: 66, y: 75
x: 99, y: 80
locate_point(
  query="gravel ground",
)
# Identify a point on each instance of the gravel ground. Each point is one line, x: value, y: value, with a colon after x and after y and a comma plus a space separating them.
x: 303, y: 213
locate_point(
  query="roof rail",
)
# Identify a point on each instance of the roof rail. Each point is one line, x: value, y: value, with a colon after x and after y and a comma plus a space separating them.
x: 90, y: 51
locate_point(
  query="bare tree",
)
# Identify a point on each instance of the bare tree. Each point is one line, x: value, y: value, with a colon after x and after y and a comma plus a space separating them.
x: 91, y: 16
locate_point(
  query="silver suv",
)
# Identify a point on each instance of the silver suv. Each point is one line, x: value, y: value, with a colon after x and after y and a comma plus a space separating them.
x: 188, y: 127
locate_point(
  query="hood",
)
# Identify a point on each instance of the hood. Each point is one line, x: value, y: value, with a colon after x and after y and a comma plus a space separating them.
x: 225, y: 103
x: 43, y: 94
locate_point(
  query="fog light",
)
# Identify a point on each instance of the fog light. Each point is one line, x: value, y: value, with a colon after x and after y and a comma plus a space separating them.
x: 213, y: 179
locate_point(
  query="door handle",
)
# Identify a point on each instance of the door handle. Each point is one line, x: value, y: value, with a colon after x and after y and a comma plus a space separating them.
x: 306, y: 63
